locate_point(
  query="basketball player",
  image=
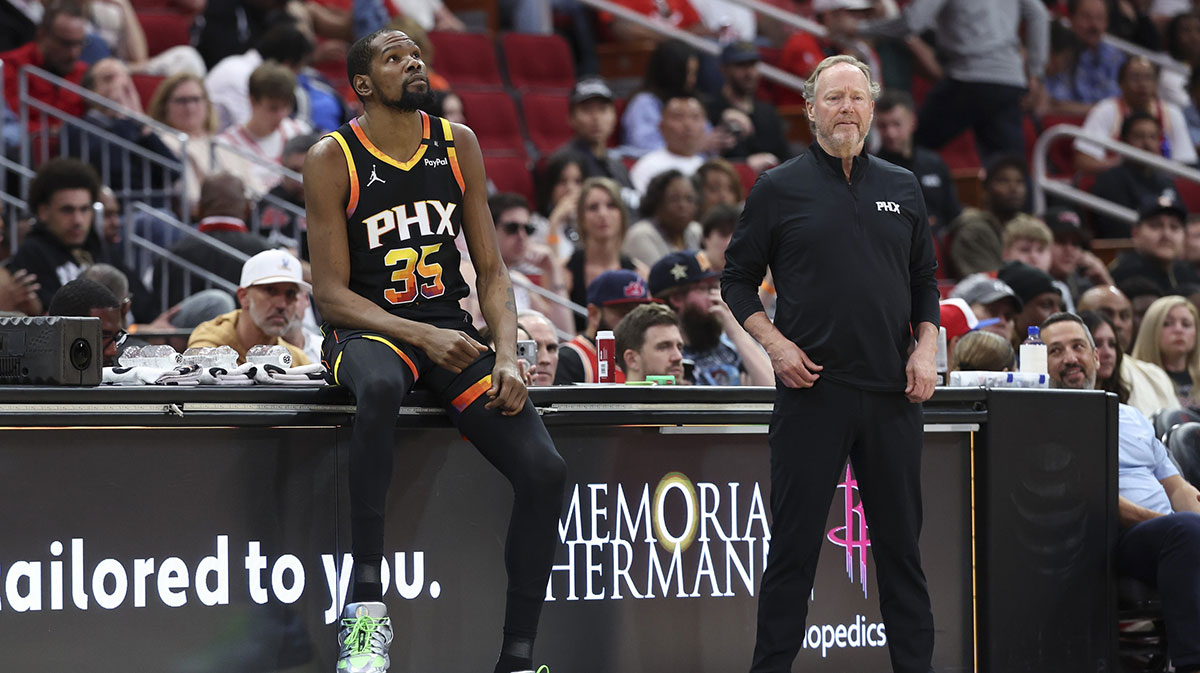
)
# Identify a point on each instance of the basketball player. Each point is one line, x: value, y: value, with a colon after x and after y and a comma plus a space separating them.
x: 386, y: 196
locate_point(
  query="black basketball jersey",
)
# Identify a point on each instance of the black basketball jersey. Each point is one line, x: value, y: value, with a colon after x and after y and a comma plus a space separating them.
x: 402, y: 219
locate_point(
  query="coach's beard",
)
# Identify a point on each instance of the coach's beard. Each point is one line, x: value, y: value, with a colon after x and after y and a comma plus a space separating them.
x: 409, y: 100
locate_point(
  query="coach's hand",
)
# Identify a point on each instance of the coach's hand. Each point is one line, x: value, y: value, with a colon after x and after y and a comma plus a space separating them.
x: 793, y: 367
x: 922, y: 374
x: 451, y: 349
x: 508, y: 391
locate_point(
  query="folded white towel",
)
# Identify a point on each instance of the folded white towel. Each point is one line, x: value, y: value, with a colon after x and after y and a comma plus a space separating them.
x: 303, y: 375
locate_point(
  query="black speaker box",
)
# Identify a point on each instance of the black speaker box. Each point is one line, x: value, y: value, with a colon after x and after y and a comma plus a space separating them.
x: 51, y: 350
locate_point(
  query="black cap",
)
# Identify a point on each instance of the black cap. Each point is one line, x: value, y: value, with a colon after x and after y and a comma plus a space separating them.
x: 1166, y: 202
x: 677, y: 269
x: 1027, y: 281
x: 587, y: 89
x: 980, y: 288
x: 740, y: 52
x: 1064, y: 222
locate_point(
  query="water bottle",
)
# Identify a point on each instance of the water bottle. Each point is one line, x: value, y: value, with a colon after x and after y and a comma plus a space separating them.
x: 1033, y: 354
x: 943, y: 360
x: 269, y: 355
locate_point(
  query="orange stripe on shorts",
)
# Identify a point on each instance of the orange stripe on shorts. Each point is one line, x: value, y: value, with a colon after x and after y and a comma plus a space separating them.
x: 399, y: 352
x: 471, y: 394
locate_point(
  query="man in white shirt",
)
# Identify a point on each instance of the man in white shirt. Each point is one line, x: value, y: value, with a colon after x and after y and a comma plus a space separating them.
x: 683, y: 132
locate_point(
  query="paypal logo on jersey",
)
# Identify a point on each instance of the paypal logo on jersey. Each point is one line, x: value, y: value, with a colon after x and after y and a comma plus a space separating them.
x: 437, y: 162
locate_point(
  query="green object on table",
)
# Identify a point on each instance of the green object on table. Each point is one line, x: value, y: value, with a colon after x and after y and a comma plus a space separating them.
x: 662, y: 380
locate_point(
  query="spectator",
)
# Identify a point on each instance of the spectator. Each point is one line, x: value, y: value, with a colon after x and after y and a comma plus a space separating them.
x: 717, y: 183
x: 985, y: 70
x: 803, y: 51
x: 603, y: 223
x: 1142, y: 292
x: 648, y: 342
x: 593, y: 118
x: 558, y: 185
x: 1071, y: 261
x: 609, y: 299
x: 1167, y: 338
x: 669, y: 224
x: 991, y: 299
x: 976, y: 235
x: 683, y: 132
x: 430, y: 14
x: 271, y: 215
x: 230, y: 27
x: 56, y: 49
x: 1129, y: 183
x: 723, y: 352
x: 1158, y: 246
x: 119, y: 32
x: 541, y: 330
x: 228, y: 83
x: 716, y: 231
x: 1131, y: 21
x: 18, y: 22
x: 1191, y: 111
x: 895, y: 122
x: 82, y: 298
x: 1029, y: 240
x: 1141, y: 385
x: 1139, y: 93
x: 19, y: 291
x: 1094, y: 74
x: 223, y: 211
x: 110, y: 230
x: 754, y: 124
x: 527, y: 262
x: 982, y: 351
x: 1108, y: 354
x: 672, y: 71
x: 182, y: 103
x: 117, y: 283
x: 1160, y: 538
x: 110, y: 78
x: 958, y: 320
x: 268, y: 294
x: 264, y: 135
x: 676, y: 13
x: 1040, y: 297
x: 1183, y: 44
x: 62, y: 243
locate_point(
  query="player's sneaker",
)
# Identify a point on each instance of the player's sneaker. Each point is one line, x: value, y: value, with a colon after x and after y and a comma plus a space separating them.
x: 541, y: 669
x: 364, y: 638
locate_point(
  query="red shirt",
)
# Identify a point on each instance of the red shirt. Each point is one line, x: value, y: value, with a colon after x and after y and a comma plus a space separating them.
x: 39, y: 89
x: 591, y: 361
x: 680, y: 13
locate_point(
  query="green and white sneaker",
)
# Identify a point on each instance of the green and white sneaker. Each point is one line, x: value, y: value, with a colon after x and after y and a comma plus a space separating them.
x: 364, y: 638
x: 541, y: 669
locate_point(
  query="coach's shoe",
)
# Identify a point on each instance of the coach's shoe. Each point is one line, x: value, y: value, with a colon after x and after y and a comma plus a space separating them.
x: 364, y: 638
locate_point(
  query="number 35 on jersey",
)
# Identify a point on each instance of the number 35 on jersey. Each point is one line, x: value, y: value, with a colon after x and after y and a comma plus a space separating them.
x: 418, y: 275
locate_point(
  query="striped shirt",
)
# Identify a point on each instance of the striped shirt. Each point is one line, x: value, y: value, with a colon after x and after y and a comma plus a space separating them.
x: 266, y: 151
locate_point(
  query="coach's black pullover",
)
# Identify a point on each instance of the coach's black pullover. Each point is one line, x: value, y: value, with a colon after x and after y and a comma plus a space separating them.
x: 853, y: 263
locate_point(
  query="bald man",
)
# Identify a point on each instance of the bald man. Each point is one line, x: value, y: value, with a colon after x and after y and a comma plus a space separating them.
x: 1150, y: 389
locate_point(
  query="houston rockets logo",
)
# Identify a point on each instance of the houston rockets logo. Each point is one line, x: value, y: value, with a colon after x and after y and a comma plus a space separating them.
x: 853, y: 535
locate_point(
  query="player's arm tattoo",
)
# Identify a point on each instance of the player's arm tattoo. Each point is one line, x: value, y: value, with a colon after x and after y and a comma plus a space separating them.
x: 511, y: 303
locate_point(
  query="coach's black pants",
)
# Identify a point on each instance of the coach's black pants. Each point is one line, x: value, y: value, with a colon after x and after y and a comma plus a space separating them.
x: 813, y: 430
x: 518, y: 446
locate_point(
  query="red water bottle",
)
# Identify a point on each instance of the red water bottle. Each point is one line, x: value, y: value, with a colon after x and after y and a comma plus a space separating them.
x: 606, y: 357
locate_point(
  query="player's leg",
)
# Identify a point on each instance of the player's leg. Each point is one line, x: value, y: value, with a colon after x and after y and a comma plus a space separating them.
x: 520, y: 448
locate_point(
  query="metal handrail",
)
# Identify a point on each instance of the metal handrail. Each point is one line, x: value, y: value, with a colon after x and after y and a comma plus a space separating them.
x: 1042, y: 182
x: 547, y: 294
x: 772, y: 73
x: 1158, y: 58
x: 166, y: 257
x: 784, y: 16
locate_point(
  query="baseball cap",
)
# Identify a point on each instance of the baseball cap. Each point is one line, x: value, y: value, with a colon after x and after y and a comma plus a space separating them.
x: 1027, y: 281
x: 739, y: 52
x: 587, y: 89
x: 831, y: 5
x: 676, y: 269
x: 958, y: 318
x: 1065, y: 222
x: 273, y: 266
x: 619, y: 286
x: 1166, y: 202
x: 980, y: 288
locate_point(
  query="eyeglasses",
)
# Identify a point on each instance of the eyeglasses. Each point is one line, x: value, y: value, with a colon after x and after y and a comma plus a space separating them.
x: 113, y: 338
x: 187, y: 100
x: 511, y: 228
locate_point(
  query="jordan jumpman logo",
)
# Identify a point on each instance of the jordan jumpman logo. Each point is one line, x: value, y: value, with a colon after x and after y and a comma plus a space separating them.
x: 375, y: 178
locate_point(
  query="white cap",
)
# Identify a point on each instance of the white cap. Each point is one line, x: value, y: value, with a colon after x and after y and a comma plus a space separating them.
x: 273, y: 266
x: 819, y: 6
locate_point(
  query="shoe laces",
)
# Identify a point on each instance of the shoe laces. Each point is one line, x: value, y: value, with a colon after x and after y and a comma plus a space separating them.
x: 362, y: 632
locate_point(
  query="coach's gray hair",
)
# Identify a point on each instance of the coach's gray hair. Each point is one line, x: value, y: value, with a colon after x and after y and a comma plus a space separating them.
x: 810, y: 85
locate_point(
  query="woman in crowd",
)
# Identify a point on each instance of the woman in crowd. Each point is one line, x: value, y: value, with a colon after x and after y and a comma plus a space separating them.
x: 981, y: 351
x: 603, y: 222
x: 717, y: 183
x: 669, y: 224
x: 1167, y: 338
x: 558, y: 184
x: 1108, y: 374
x: 182, y: 103
x: 672, y: 69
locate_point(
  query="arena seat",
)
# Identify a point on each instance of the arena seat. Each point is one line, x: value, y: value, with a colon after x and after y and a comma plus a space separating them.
x: 538, y: 62
x: 467, y: 60
x: 493, y: 117
x: 746, y: 174
x: 146, y: 85
x: 1189, y: 193
x: 165, y: 30
x: 960, y: 153
x: 510, y: 174
x: 546, y: 119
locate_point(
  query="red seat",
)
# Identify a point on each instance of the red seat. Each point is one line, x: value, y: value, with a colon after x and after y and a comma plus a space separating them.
x: 1189, y: 193
x: 466, y: 60
x: 747, y: 175
x: 146, y: 85
x: 960, y: 153
x: 541, y: 62
x: 165, y: 30
x: 546, y: 119
x: 493, y: 117
x: 510, y: 174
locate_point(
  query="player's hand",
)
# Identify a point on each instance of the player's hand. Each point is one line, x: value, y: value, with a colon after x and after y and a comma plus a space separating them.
x: 508, y: 391
x: 793, y: 367
x: 451, y: 349
x: 922, y: 375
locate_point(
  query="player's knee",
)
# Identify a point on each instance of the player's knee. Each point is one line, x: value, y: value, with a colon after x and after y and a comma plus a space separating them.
x: 547, y: 473
x: 379, y: 390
